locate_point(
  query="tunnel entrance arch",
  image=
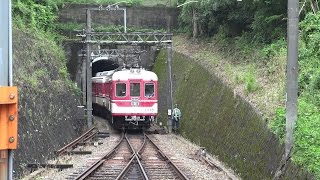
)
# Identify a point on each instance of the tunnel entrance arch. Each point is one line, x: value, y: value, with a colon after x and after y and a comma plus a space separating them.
x: 101, y: 64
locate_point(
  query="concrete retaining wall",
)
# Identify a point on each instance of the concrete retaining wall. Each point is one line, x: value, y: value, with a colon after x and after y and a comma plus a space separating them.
x: 225, y: 124
x: 142, y: 17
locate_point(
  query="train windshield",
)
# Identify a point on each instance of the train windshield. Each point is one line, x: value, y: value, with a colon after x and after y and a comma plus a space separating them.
x: 149, y: 90
x: 135, y: 89
x: 121, y: 89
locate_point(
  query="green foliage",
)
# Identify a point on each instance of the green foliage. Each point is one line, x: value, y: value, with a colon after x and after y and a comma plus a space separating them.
x: 37, y: 19
x: 263, y: 19
x: 33, y: 14
x: 250, y: 82
x: 279, y: 124
x: 159, y: 3
x: 102, y: 28
x: 307, y: 135
x: 124, y: 2
x: 248, y: 78
x: 217, y: 120
x: 309, y: 57
x: 240, y: 28
x: 277, y: 48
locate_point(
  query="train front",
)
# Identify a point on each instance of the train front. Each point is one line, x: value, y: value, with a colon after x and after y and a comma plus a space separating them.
x: 134, y: 103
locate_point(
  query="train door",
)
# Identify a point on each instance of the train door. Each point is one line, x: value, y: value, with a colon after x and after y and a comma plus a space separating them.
x: 135, y: 92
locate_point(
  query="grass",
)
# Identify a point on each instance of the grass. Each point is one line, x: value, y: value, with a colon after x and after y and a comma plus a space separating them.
x: 258, y: 75
x: 159, y: 3
x: 171, y: 3
x: 258, y: 78
x: 216, y: 119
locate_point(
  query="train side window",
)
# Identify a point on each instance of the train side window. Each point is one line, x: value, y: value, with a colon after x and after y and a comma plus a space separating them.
x: 149, y: 90
x: 135, y: 89
x: 121, y: 89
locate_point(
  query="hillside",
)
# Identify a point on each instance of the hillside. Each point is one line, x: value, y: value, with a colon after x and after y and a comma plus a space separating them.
x: 47, y: 99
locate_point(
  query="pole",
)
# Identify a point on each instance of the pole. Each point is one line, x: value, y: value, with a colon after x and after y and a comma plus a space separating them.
x: 89, y: 71
x: 84, y: 81
x: 4, y: 164
x: 292, y: 73
x: 125, y: 19
x: 10, y: 45
x: 10, y: 152
x: 169, y: 86
x: 292, y: 84
x: 6, y: 156
x: 4, y: 44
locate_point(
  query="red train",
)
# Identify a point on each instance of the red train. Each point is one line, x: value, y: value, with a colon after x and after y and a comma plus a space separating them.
x: 129, y: 97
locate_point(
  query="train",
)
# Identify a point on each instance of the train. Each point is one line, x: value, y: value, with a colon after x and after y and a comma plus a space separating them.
x: 128, y: 98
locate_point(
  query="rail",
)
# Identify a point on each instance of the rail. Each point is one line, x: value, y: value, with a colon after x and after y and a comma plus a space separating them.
x: 134, y: 159
x: 83, y: 138
x: 176, y: 169
x: 99, y: 162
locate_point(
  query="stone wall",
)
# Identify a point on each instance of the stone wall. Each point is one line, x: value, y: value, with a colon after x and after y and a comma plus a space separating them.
x: 47, y: 100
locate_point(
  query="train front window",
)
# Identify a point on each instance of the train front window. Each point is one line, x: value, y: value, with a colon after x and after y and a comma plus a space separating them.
x: 149, y: 90
x: 135, y: 89
x: 121, y: 89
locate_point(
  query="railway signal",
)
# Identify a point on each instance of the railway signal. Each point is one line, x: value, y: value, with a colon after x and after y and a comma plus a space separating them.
x: 8, y: 96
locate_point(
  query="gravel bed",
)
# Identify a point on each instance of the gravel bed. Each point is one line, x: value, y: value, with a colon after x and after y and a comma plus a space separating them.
x: 181, y: 151
x: 185, y: 153
x: 78, y: 161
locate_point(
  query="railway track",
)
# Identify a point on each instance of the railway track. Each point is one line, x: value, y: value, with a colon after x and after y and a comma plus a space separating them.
x: 134, y: 157
x: 157, y: 164
x: 80, y: 140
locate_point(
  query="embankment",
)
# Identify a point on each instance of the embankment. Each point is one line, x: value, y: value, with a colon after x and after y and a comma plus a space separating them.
x: 47, y: 99
x: 221, y: 121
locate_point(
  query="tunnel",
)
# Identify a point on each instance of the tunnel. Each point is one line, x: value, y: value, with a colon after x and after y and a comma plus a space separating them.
x: 101, y: 64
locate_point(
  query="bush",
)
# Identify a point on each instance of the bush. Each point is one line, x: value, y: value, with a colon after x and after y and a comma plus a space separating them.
x: 39, y: 16
x: 306, y: 136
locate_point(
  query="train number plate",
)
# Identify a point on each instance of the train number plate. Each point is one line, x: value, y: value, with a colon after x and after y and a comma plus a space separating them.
x: 134, y: 101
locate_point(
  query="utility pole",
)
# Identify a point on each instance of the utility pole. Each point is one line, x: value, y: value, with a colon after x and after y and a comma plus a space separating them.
x: 8, y: 96
x: 169, y: 86
x: 292, y: 84
x: 194, y: 18
x: 292, y: 73
x: 89, y: 70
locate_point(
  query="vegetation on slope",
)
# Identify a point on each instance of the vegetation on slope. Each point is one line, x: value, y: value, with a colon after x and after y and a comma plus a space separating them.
x: 216, y: 118
x: 47, y: 96
x: 254, y: 32
x: 127, y: 2
x: 40, y: 19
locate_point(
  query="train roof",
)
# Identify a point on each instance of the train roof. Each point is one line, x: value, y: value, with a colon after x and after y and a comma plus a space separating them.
x: 101, y: 79
x: 135, y: 73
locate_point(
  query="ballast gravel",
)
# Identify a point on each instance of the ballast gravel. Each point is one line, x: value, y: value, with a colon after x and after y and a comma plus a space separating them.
x: 181, y: 151
x: 187, y: 155
x: 79, y: 161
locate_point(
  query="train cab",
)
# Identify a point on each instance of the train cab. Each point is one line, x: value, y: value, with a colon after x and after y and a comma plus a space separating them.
x: 130, y: 95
